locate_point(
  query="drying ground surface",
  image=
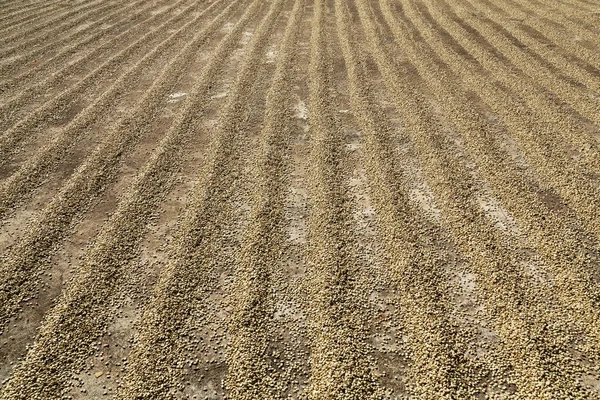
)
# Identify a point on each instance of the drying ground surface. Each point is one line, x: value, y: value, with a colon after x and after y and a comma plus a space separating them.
x: 304, y: 199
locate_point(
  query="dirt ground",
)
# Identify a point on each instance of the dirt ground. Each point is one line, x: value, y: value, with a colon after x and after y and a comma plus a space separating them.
x: 303, y: 199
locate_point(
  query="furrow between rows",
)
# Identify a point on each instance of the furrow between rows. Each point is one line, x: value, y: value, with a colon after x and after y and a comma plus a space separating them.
x: 31, y: 173
x: 252, y: 372
x: 572, y: 17
x: 437, y: 365
x: 24, y: 6
x: 200, y: 252
x: 579, y: 99
x: 526, y: 116
x: 55, y: 28
x: 521, y: 311
x: 551, y: 221
x: 78, y: 78
x: 28, y: 121
x: 568, y: 34
x: 78, y: 318
x: 12, y: 20
x: 22, y: 68
x: 92, y: 177
x: 562, y: 57
x: 340, y: 355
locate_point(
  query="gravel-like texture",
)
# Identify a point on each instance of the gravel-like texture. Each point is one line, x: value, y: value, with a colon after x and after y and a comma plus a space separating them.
x: 305, y: 199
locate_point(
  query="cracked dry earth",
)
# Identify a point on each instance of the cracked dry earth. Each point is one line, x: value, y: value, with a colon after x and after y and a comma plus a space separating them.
x: 303, y: 199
